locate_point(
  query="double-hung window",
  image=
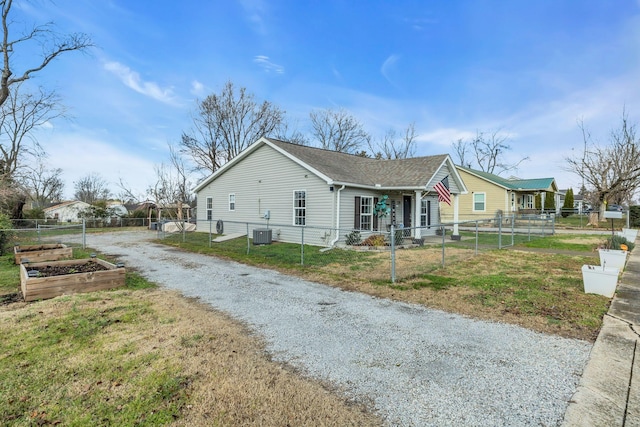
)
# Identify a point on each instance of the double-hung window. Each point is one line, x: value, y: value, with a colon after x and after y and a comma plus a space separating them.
x: 209, y: 208
x: 300, y: 207
x: 479, y: 202
x: 366, y: 213
x: 232, y: 202
x: 425, y: 213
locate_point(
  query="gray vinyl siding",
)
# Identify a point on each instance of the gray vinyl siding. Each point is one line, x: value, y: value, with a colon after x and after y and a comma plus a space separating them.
x: 442, y: 173
x: 266, y: 180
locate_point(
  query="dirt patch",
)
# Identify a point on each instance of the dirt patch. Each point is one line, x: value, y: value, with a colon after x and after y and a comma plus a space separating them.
x: 59, y: 270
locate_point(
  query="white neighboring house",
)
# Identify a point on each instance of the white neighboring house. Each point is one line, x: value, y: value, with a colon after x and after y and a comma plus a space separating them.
x: 66, y: 211
x: 118, y: 208
x: 299, y: 186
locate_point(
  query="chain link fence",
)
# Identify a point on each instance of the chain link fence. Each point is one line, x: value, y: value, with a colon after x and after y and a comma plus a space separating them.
x: 394, y: 253
x: 26, y: 232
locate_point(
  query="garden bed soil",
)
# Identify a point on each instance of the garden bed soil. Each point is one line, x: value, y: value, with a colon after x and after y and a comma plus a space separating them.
x: 39, y: 253
x: 55, y: 278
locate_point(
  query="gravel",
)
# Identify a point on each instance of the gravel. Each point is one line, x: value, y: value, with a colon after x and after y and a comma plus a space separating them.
x: 414, y: 366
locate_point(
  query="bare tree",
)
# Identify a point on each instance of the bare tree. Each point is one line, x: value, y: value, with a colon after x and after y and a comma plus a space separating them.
x: 91, y: 188
x: 394, y: 147
x: 293, y: 136
x: 488, y: 151
x: 20, y: 115
x: 461, y: 149
x: 126, y: 194
x: 612, y: 172
x: 43, y: 184
x: 171, y: 190
x: 225, y: 124
x: 51, y: 44
x: 338, y: 130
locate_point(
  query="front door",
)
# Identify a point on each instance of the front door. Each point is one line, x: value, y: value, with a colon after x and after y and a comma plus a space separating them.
x: 406, y: 212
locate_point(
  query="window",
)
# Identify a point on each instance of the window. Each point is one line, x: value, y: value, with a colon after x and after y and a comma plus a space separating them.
x: 513, y: 201
x: 529, y: 199
x: 300, y: 207
x: 232, y: 202
x: 479, y: 201
x: 209, y: 208
x: 366, y: 213
x: 425, y: 213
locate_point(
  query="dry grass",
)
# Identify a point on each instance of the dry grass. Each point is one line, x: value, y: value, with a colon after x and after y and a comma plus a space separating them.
x: 539, y: 291
x: 226, y: 377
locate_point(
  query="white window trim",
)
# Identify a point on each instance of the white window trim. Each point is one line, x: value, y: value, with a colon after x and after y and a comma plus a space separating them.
x: 232, y: 204
x: 370, y: 214
x: 303, y: 209
x: 484, y: 202
x: 424, y: 214
x: 209, y: 208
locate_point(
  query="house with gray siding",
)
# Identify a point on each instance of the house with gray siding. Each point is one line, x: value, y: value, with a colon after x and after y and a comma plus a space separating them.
x: 287, y: 187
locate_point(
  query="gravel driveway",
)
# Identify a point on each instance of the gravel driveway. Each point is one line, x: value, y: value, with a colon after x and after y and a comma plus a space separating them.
x: 415, y: 366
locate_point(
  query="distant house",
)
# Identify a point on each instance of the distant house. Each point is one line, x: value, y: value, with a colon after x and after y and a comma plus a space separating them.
x: 66, y: 211
x: 489, y: 193
x: 298, y: 186
x: 579, y: 204
x: 117, y: 208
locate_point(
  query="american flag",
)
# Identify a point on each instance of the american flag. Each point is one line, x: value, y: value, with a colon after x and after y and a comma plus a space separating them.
x: 442, y: 188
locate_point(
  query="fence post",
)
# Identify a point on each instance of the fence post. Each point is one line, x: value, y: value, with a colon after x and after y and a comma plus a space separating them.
x: 477, y: 237
x: 84, y: 234
x: 513, y: 229
x: 499, y: 231
x: 553, y: 224
x: 392, y: 237
x: 302, y: 246
x: 184, y: 231
x: 210, y: 233
x: 38, y: 232
x: 248, y: 242
x: 443, y: 235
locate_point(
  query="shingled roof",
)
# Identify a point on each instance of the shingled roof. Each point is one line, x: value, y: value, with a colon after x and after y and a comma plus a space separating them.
x: 352, y: 169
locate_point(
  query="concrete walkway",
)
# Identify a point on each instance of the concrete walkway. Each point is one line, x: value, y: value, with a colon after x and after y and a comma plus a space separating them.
x: 609, y: 391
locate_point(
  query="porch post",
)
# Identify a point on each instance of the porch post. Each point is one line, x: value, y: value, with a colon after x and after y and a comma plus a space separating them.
x: 416, y: 216
x: 456, y: 199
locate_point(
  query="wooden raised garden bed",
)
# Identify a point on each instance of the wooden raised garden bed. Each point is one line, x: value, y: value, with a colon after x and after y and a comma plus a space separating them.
x: 38, y: 253
x: 44, y: 280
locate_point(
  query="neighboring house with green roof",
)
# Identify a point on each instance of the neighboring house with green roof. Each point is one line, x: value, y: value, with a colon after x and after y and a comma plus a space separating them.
x: 489, y: 193
x: 322, y: 190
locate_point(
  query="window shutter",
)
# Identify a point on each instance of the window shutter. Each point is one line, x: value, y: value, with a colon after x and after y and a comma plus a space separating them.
x: 375, y: 217
x: 356, y: 214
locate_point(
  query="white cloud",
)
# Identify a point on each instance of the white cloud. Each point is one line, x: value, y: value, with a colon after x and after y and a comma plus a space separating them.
x: 255, y: 10
x: 79, y: 155
x: 388, y: 66
x: 445, y: 136
x: 197, y: 88
x: 267, y: 65
x: 132, y: 80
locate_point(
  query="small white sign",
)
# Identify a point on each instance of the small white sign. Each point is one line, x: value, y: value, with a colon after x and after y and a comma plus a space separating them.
x: 613, y: 214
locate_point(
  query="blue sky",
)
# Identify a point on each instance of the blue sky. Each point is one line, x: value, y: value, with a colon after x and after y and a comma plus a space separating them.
x: 530, y: 68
